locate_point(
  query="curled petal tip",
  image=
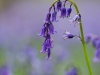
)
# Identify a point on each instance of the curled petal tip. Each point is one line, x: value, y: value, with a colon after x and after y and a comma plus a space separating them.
x: 64, y: 37
x: 43, y: 52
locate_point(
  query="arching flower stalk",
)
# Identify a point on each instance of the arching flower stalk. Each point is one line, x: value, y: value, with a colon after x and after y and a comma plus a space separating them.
x: 48, y: 28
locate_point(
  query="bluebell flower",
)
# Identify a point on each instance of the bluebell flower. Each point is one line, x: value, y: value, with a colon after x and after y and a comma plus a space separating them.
x: 67, y: 35
x: 48, y: 17
x: 43, y: 31
x: 69, y: 10
x: 97, y: 55
x: 76, y: 19
x: 94, y: 41
x: 63, y: 12
x: 98, y: 43
x: 54, y: 16
x: 47, y: 45
x: 88, y: 38
x: 72, y: 71
x: 59, y: 5
x: 51, y: 28
x: 48, y: 41
x: 44, y: 48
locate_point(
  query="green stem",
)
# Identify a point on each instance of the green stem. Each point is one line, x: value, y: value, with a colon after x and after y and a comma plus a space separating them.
x: 54, y: 3
x: 83, y: 42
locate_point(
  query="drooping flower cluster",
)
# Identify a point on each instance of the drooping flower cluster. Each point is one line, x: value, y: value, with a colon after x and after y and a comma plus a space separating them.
x: 46, y: 32
x: 95, y: 40
x: 48, y: 28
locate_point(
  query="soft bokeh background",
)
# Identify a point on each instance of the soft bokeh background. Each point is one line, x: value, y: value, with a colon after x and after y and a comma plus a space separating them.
x: 21, y: 21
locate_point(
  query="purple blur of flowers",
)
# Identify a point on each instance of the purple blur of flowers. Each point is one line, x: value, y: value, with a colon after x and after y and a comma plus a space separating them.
x: 63, y: 12
x: 54, y: 16
x: 4, y: 70
x: 95, y: 41
x: 72, y: 71
x: 88, y: 38
x: 43, y: 31
x: 97, y: 55
x: 98, y: 43
x: 97, y: 52
x: 48, y: 17
x: 33, y: 73
x: 27, y: 53
x: 59, y: 5
x: 69, y: 10
x: 47, y: 67
x: 61, y: 54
